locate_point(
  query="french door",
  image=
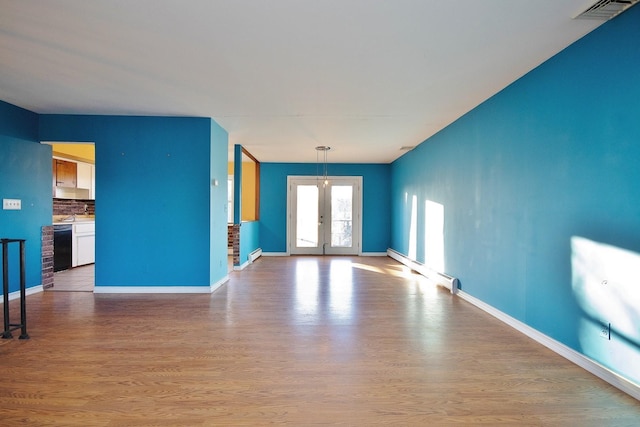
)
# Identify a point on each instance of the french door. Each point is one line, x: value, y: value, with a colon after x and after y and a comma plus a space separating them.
x: 324, y: 219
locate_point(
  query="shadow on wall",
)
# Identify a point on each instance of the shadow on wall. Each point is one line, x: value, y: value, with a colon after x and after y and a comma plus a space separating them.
x: 606, y: 285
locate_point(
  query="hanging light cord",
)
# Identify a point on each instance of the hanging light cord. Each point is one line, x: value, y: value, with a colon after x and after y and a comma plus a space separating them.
x: 324, y: 149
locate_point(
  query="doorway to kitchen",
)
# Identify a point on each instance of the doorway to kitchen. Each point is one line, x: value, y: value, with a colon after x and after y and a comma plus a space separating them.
x: 73, y: 201
x: 324, y: 215
x: 77, y: 279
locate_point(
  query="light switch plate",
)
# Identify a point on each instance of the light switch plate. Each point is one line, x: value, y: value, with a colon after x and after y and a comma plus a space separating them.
x: 12, y: 204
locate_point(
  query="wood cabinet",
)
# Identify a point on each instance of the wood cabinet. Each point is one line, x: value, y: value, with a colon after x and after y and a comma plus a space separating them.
x: 73, y: 180
x: 65, y: 174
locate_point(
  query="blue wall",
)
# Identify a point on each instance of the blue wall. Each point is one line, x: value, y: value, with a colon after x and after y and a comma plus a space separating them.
x: 553, y: 158
x: 249, y: 239
x: 25, y: 174
x: 153, y: 180
x: 375, y: 202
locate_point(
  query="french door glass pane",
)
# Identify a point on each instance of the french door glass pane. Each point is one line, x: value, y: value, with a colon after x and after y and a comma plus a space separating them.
x: 307, y: 216
x: 341, y: 216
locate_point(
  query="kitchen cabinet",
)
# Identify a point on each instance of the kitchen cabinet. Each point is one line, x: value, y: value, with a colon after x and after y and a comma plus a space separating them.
x: 86, y: 178
x: 84, y: 175
x: 84, y: 243
x: 73, y: 180
x: 65, y: 173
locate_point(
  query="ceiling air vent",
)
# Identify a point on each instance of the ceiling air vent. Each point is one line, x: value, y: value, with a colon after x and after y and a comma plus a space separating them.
x: 606, y: 9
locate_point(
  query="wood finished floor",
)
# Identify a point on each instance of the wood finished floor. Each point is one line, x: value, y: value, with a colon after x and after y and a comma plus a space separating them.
x: 82, y: 279
x: 298, y: 341
x: 77, y: 279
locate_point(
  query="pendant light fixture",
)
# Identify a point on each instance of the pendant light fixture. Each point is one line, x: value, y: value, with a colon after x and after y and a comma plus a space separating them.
x: 324, y: 149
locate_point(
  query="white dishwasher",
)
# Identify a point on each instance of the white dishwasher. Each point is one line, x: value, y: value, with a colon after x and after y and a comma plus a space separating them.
x: 84, y: 243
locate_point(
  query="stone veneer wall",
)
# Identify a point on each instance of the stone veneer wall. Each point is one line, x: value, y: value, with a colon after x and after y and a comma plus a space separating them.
x: 70, y: 207
x: 234, y: 241
x: 47, y: 256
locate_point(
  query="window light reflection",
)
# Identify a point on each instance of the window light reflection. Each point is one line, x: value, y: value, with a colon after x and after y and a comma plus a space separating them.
x: 306, y: 288
x: 341, y: 289
x: 413, y: 230
x: 605, y: 285
x: 367, y: 267
x: 434, y: 236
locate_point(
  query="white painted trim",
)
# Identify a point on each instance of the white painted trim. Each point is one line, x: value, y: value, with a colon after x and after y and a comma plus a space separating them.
x: 241, y: 266
x: 152, y: 289
x: 255, y: 255
x: 438, y: 278
x: 579, y: 359
x: 29, y: 291
x: 216, y: 285
x: 287, y: 254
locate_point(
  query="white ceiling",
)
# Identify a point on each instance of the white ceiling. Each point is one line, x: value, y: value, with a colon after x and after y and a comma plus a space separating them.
x: 365, y: 77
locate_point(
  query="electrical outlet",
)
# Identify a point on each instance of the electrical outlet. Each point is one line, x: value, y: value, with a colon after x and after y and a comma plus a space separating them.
x: 605, y: 330
x: 12, y: 204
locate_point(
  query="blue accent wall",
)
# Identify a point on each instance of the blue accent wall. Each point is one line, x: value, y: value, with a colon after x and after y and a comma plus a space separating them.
x: 552, y: 159
x: 25, y: 174
x: 153, y: 181
x: 376, y: 209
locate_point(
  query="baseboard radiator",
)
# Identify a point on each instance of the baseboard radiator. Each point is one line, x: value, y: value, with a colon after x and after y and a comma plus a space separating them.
x: 438, y: 278
x: 255, y: 255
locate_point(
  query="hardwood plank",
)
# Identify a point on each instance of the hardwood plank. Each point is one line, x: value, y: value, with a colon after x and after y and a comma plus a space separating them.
x: 292, y: 340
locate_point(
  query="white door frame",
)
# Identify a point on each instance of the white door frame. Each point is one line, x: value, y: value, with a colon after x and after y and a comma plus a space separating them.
x: 356, y: 181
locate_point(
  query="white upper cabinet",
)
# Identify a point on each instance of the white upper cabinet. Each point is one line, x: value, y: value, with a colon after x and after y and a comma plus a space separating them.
x: 86, y: 178
x: 84, y: 175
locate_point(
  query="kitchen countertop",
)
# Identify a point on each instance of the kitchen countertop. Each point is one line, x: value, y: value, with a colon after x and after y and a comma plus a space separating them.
x: 60, y: 219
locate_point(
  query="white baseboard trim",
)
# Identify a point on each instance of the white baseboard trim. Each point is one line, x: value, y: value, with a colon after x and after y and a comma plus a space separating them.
x: 568, y: 353
x: 31, y: 290
x: 579, y: 359
x: 27, y: 292
x: 241, y: 266
x: 153, y: 289
x: 436, y: 277
x: 215, y: 286
x: 360, y: 254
